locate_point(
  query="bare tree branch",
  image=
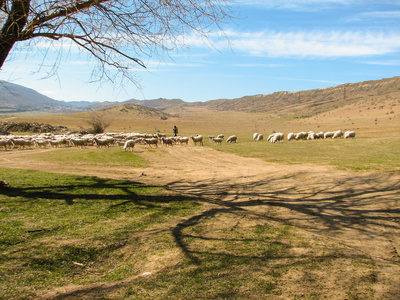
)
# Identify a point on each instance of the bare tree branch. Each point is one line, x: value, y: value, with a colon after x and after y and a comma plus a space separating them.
x: 116, y: 33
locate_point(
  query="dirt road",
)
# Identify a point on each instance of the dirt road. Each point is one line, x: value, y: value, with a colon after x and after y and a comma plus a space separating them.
x: 359, y: 211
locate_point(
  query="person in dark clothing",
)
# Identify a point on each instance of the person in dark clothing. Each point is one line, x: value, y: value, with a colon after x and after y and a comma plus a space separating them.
x: 175, y: 130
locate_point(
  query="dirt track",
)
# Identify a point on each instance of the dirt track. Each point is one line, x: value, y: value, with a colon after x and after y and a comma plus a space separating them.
x: 360, y: 211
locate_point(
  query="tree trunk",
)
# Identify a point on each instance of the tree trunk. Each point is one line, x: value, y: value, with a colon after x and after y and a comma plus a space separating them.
x: 11, y: 31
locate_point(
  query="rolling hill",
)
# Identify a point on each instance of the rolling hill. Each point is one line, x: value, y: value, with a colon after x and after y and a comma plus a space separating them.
x: 15, y: 98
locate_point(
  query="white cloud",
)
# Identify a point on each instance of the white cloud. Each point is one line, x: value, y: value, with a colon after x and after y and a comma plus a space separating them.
x: 377, y: 15
x: 295, y: 4
x: 311, y: 44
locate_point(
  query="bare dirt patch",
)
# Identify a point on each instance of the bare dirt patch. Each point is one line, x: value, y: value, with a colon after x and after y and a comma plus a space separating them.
x: 358, y: 213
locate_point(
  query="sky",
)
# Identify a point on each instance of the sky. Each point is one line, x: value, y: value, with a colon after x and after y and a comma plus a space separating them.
x: 271, y: 46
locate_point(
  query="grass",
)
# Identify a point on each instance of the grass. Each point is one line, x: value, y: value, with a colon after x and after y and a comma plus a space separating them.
x: 116, y: 239
x: 360, y: 154
x: 52, y: 225
x: 112, y: 157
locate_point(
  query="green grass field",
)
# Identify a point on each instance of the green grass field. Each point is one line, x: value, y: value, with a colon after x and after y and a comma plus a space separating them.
x: 119, y: 239
x: 359, y: 154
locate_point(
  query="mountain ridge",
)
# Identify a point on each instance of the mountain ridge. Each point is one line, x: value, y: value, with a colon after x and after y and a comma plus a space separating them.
x: 14, y: 98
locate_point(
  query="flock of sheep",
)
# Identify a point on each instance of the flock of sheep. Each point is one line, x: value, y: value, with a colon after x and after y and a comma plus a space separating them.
x: 125, y: 140
x: 129, y: 140
x: 311, y: 135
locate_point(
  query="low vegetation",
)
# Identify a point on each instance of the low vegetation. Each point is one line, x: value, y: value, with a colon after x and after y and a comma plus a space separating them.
x: 74, y: 237
x: 359, y: 154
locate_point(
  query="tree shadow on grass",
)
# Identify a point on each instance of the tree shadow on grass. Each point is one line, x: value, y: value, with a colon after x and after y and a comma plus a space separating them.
x: 368, y: 205
x: 90, y: 189
x: 329, y: 208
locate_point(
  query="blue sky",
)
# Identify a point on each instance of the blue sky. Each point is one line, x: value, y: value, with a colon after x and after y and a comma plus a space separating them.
x: 273, y: 45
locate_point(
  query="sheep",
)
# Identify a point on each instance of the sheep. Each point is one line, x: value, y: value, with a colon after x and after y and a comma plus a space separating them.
x: 278, y: 137
x: 101, y: 142
x: 220, y: 136
x: 270, y: 137
x: 129, y: 144
x: 21, y: 143
x: 311, y: 136
x: 120, y: 143
x: 41, y: 143
x: 57, y: 142
x: 167, y: 141
x: 151, y: 141
x: 160, y: 135
x: 78, y: 142
x: 210, y: 137
x: 183, y: 140
x: 197, y: 139
x: 231, y: 139
x: 349, y: 134
x: 301, y: 135
x: 217, y: 141
x: 290, y: 136
x: 255, y: 136
x: 5, y: 143
x: 328, y: 134
x: 337, y: 134
x: 260, y: 137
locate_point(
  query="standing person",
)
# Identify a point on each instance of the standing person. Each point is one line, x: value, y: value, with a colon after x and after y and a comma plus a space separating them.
x: 175, y: 130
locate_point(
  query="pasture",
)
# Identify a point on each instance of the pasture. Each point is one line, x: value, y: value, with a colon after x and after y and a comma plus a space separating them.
x: 248, y: 220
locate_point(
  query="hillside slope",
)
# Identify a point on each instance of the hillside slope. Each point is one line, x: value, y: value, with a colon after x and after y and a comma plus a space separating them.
x: 307, y: 103
x: 14, y: 98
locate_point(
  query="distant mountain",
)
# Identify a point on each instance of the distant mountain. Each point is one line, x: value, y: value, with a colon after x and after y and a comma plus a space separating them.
x: 81, y: 103
x: 17, y: 98
x: 14, y: 98
x: 160, y: 104
x: 137, y: 111
x: 301, y: 103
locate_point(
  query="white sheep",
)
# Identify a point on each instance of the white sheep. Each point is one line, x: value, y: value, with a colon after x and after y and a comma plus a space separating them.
x: 129, y: 144
x: 260, y: 137
x: 319, y: 135
x: 57, y: 142
x: 197, y: 139
x: 231, y: 139
x: 183, y: 140
x: 311, y: 136
x: 301, y: 135
x: 167, y: 141
x: 151, y: 141
x: 255, y: 135
x: 41, y: 143
x: 101, y: 142
x: 217, y: 141
x: 349, y: 134
x: 21, y: 143
x: 290, y: 136
x: 337, y: 134
x: 270, y: 137
x: 78, y: 142
x: 5, y: 143
x: 220, y: 136
x: 328, y: 134
x: 278, y: 137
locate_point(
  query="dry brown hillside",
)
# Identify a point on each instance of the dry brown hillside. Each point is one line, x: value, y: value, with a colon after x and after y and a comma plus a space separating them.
x: 311, y: 102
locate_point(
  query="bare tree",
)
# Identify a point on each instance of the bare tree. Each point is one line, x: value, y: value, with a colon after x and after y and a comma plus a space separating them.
x: 116, y: 33
x: 99, y: 122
